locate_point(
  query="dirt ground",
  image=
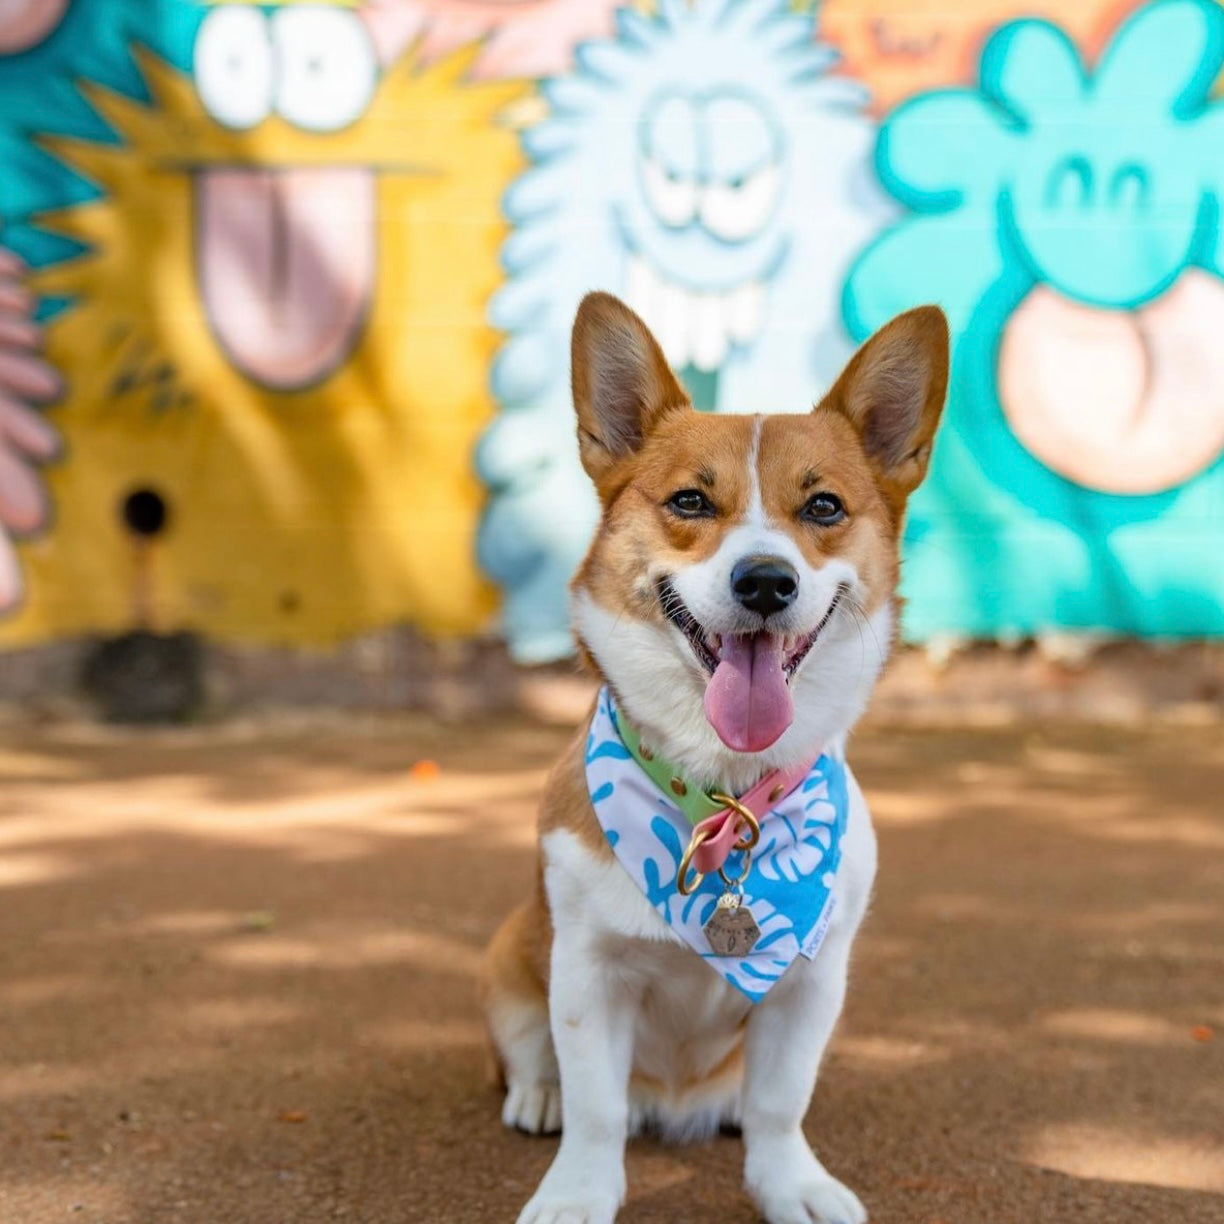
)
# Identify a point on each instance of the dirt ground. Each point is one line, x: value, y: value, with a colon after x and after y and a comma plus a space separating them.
x: 236, y: 978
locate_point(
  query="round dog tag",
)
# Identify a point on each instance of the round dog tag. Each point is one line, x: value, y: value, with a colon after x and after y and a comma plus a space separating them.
x: 731, y: 928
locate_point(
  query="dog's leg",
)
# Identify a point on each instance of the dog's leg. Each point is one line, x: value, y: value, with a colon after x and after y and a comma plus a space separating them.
x: 787, y: 1035
x: 516, y: 1003
x: 593, y: 1010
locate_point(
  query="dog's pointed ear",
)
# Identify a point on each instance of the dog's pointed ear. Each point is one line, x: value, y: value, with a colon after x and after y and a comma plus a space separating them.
x: 621, y: 381
x: 893, y: 393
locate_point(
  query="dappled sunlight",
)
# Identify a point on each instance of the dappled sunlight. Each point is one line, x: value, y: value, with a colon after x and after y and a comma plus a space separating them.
x: 45, y: 1080
x: 35, y: 867
x: 652, y: 1172
x: 1117, y: 1153
x: 337, y: 822
x: 1126, y: 1028
x: 36, y: 992
x: 1193, y: 832
x: 253, y: 960
x: 1079, y: 764
x: 29, y: 766
x: 886, y: 1054
x: 350, y: 950
x: 410, y: 1034
x: 236, y: 1014
x: 1153, y: 914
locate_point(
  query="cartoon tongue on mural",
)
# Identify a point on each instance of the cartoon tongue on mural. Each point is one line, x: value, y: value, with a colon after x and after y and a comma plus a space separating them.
x: 286, y: 288
x: 1122, y: 402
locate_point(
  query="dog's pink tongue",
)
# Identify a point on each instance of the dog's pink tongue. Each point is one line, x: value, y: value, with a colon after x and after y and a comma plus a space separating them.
x: 747, y: 700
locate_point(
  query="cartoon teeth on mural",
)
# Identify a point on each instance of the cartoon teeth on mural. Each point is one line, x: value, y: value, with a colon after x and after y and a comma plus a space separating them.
x: 705, y: 166
x: 1069, y: 222
x: 278, y: 332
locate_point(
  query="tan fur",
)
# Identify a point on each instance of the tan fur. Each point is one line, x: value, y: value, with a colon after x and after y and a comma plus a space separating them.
x: 516, y: 962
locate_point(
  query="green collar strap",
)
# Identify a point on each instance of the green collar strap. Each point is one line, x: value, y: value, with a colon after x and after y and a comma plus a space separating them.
x: 691, y: 800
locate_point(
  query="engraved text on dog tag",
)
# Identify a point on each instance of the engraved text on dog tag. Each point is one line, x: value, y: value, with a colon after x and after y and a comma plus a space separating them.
x: 731, y: 928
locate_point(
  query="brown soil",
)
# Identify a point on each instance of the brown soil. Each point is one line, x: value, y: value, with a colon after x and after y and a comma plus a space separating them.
x: 236, y: 979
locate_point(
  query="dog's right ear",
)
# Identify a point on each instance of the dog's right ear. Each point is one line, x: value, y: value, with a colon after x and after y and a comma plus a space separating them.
x: 622, y: 383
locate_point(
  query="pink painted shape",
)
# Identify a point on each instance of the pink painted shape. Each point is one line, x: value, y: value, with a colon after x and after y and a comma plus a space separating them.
x: 286, y: 262
x: 1124, y: 402
x: 523, y: 38
x: 26, y: 23
x: 26, y: 439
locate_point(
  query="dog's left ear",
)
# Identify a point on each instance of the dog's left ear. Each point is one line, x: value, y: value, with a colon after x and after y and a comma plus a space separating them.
x: 893, y: 393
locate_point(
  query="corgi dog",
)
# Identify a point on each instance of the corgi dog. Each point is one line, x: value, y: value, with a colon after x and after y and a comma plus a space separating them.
x: 705, y: 855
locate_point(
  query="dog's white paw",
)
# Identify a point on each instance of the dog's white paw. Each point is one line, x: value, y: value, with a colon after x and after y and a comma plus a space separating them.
x: 823, y: 1200
x: 539, y: 1212
x: 575, y: 1195
x: 533, y: 1107
x: 795, y: 1188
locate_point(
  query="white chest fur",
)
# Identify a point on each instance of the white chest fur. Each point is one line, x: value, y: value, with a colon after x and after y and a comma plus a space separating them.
x: 688, y: 1022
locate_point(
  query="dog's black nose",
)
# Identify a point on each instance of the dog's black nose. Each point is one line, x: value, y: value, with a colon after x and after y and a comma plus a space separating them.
x: 765, y: 584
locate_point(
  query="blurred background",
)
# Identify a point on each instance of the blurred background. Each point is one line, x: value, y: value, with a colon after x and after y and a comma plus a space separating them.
x: 286, y: 291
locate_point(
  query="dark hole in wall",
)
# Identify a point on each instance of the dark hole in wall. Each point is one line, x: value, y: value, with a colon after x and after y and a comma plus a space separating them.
x: 145, y: 513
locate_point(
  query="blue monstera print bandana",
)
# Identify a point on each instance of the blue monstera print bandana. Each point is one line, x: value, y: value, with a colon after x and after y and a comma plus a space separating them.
x: 790, y: 889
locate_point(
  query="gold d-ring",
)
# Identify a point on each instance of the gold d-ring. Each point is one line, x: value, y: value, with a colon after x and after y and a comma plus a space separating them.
x: 683, y: 887
x: 754, y: 826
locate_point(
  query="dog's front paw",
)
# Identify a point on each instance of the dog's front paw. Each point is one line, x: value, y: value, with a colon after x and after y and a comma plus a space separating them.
x: 539, y: 1212
x: 823, y: 1200
x: 533, y: 1108
x: 567, y: 1209
x: 569, y: 1195
x: 795, y: 1188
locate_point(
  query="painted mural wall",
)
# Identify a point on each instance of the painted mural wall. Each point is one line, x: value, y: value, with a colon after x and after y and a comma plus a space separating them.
x: 285, y: 292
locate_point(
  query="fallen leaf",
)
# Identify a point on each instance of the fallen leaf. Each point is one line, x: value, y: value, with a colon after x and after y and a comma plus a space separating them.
x: 1202, y: 1032
x: 256, y: 922
x: 291, y: 1115
x: 424, y: 771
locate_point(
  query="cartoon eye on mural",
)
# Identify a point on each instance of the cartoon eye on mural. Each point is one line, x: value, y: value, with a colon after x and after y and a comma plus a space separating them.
x: 277, y: 339
x: 1069, y: 223
x: 531, y: 39
x: 898, y: 48
x: 705, y: 166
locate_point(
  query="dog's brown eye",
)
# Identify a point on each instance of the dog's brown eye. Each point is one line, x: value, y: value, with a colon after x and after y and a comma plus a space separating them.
x: 823, y: 509
x: 690, y: 503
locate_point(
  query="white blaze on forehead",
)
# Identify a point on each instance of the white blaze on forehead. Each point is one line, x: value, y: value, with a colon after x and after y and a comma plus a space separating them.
x: 705, y: 587
x: 754, y: 515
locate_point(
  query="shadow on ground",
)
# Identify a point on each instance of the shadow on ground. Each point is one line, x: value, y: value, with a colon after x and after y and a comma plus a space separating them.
x: 237, y: 965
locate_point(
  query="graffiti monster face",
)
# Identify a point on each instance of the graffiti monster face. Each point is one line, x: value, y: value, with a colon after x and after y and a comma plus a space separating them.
x: 284, y: 237
x: 1110, y: 371
x: 1096, y: 190
x: 698, y: 223
x: 276, y: 326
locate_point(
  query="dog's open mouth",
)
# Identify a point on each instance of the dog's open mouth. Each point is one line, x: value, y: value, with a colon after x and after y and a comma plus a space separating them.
x: 747, y: 698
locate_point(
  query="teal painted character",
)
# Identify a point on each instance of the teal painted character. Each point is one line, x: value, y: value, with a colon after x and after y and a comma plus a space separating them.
x: 1068, y: 222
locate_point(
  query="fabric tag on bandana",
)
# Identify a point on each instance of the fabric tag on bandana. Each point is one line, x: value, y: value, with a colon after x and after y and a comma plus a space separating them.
x: 790, y: 889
